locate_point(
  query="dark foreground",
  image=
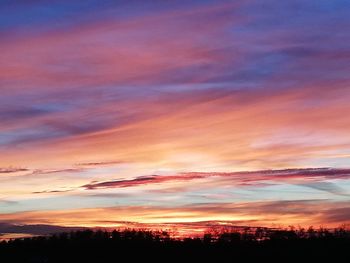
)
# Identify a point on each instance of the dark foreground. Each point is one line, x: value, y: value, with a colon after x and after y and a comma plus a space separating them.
x: 147, y: 246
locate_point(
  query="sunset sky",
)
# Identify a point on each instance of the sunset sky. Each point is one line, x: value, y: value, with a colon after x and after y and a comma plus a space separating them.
x: 177, y: 112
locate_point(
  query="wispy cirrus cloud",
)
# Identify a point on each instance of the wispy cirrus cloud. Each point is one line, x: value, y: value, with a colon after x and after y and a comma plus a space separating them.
x: 97, y: 164
x: 312, y: 177
x: 142, y: 180
x: 10, y: 170
x: 51, y: 191
x: 320, y: 179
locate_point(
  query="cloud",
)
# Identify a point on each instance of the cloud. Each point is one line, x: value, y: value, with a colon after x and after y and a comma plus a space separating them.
x: 21, y: 113
x: 270, y: 213
x: 341, y: 214
x: 51, y: 191
x: 10, y: 170
x: 142, y: 180
x: 54, y: 171
x: 313, y: 177
x: 8, y: 202
x: 97, y: 164
x: 327, y: 187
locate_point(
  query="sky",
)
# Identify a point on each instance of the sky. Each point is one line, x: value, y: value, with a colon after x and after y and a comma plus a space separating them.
x: 175, y: 112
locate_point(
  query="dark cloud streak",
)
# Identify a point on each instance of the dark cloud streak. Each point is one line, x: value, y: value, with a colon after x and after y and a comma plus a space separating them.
x: 317, y: 175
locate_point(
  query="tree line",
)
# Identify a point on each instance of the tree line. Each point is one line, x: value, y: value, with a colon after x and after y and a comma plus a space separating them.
x: 285, y: 245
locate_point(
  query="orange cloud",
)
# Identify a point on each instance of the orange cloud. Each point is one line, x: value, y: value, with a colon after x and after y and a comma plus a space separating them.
x: 274, y: 213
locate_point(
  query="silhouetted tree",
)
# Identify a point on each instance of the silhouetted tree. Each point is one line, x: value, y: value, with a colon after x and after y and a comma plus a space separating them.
x: 136, y: 245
